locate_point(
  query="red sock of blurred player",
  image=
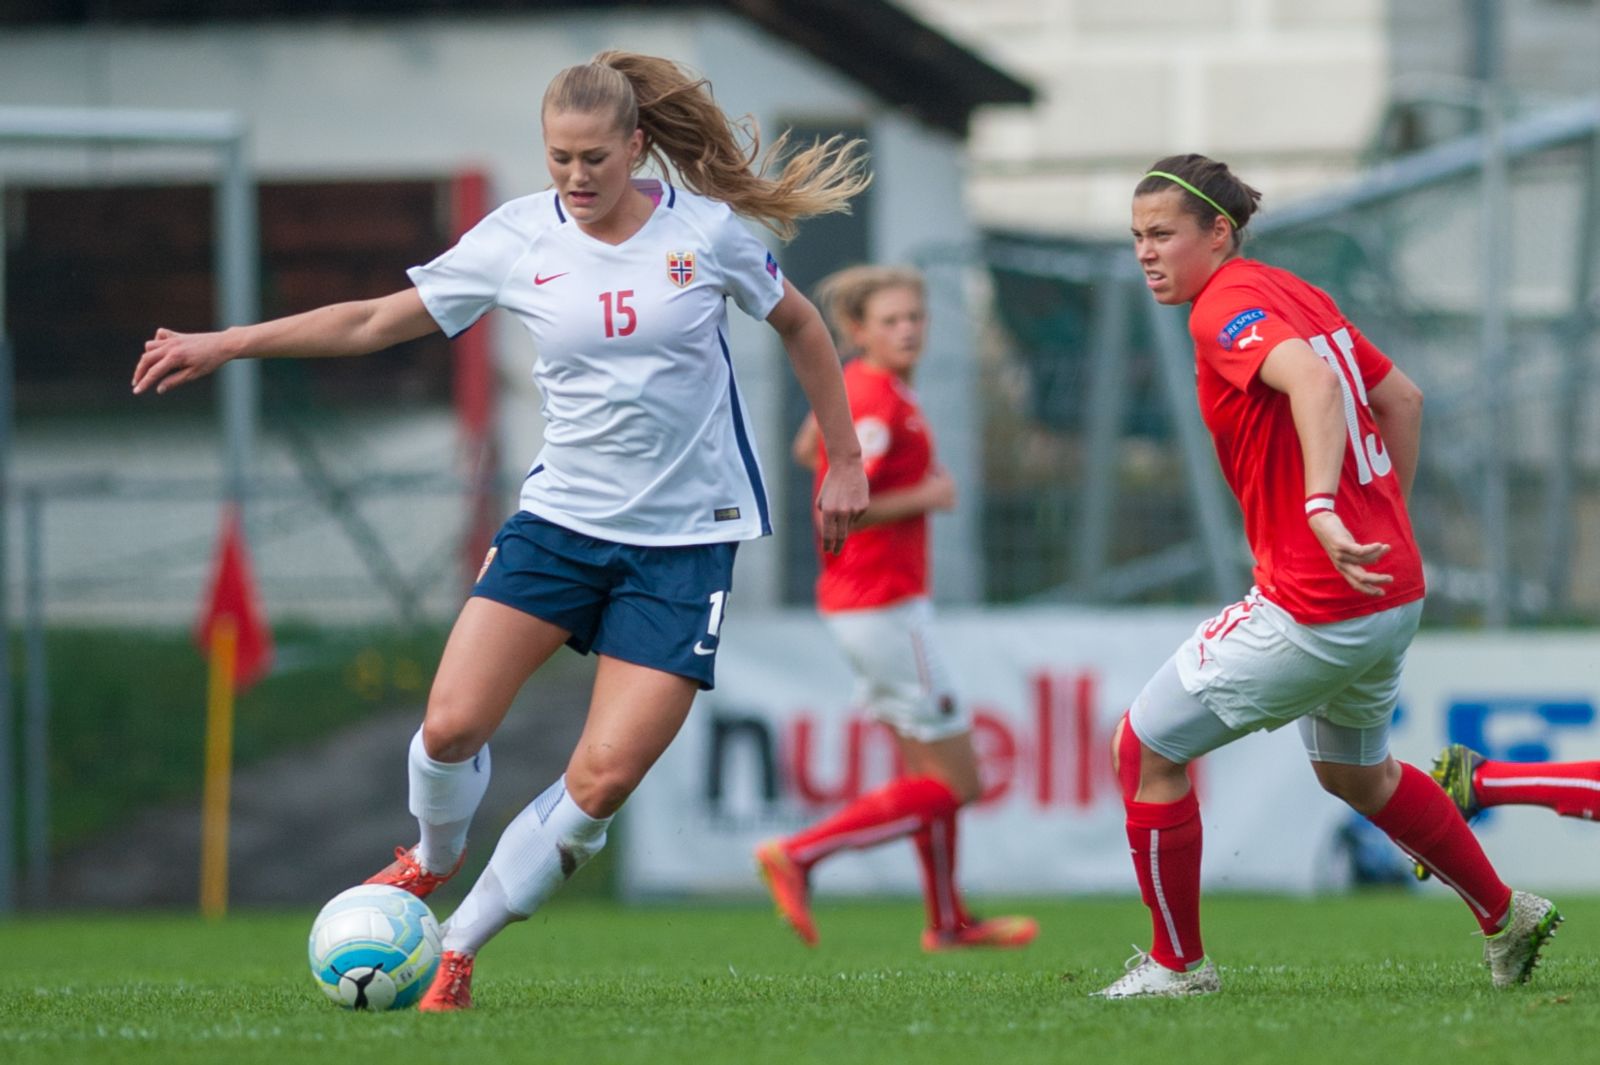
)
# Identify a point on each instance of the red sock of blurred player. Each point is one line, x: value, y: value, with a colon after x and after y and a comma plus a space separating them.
x: 1571, y: 789
x: 936, y: 852
x: 1165, y: 839
x: 1425, y: 823
x: 900, y: 808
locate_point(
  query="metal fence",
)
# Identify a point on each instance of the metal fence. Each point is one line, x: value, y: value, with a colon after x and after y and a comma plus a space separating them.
x: 1473, y: 265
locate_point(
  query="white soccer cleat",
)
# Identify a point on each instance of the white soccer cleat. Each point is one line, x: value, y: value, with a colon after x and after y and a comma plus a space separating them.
x: 1512, y: 952
x: 1148, y: 978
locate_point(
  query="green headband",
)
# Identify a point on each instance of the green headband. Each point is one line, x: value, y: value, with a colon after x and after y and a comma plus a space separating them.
x: 1175, y: 179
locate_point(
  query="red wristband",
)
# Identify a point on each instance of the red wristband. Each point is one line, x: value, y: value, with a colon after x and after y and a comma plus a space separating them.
x: 1319, y: 501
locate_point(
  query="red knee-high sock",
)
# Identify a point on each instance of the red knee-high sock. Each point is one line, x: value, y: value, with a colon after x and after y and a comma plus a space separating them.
x: 1166, y: 841
x: 1421, y: 818
x: 936, y: 851
x: 1571, y: 789
x: 897, y: 809
x: 1165, y: 838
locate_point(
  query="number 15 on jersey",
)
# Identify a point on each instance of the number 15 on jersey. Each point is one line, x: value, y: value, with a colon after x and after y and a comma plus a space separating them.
x: 621, y: 318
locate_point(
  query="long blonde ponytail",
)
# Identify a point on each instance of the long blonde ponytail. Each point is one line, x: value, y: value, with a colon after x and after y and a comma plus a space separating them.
x: 686, y: 132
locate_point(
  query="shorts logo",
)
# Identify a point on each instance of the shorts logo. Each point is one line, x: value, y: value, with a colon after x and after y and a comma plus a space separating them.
x: 1231, y: 331
x: 702, y: 649
x: 486, y: 560
x: 680, y: 268
x: 725, y: 514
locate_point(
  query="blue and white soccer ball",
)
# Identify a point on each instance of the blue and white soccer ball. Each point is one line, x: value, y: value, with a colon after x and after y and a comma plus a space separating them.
x: 374, y: 947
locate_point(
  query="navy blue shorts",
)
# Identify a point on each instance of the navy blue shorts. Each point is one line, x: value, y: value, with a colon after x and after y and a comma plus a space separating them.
x: 659, y: 607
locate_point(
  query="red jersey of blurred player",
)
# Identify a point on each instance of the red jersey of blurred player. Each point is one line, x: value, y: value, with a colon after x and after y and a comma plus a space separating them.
x: 885, y: 563
x: 873, y: 595
x: 1241, y: 315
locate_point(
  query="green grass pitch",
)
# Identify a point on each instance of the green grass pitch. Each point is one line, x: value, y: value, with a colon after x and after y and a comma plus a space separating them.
x: 1369, y: 977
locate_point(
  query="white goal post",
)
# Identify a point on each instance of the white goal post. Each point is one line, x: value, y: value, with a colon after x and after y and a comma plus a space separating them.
x: 238, y: 300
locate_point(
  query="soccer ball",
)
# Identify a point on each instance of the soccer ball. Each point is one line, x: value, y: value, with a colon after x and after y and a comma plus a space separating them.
x: 374, y: 947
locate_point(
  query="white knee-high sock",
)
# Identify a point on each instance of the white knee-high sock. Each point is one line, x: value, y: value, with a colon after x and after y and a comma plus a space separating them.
x: 444, y: 796
x: 540, y: 850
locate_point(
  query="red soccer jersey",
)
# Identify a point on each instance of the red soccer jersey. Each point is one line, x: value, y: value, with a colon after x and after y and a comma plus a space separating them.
x: 881, y: 564
x: 1245, y: 310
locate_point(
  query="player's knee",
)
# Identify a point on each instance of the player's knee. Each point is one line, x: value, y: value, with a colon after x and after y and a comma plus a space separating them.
x: 1366, y: 789
x: 448, y: 736
x: 600, y: 790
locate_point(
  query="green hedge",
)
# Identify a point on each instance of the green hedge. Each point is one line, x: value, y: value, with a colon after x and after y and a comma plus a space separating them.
x: 127, y: 709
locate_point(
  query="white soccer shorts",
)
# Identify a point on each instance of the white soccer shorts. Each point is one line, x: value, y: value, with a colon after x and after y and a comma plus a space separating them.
x: 1254, y: 667
x: 901, y: 678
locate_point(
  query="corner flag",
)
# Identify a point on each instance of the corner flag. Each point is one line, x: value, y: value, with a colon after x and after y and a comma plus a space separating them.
x: 232, y: 632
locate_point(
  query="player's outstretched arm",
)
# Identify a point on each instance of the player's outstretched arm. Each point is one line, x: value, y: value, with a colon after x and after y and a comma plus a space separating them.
x: 843, y: 495
x: 355, y: 328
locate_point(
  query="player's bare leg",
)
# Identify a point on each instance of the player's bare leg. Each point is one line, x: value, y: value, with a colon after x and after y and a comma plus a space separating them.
x: 492, y: 650
x: 1411, y: 807
x: 954, y: 761
x: 634, y: 713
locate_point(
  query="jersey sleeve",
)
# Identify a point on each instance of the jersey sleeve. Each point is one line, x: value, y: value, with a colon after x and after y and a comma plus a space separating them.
x: 878, y: 419
x: 749, y: 273
x: 462, y: 285
x: 1373, y: 364
x: 1234, y: 330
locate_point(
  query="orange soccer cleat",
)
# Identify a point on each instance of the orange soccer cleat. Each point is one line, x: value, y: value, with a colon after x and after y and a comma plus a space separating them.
x: 1000, y: 933
x: 787, y: 883
x: 407, y: 874
x: 452, y: 985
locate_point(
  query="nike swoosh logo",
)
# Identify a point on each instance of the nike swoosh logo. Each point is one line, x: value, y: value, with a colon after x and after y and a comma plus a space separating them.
x: 700, y: 649
x: 537, y: 280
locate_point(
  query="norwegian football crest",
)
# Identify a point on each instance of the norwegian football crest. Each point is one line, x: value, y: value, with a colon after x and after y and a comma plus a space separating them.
x: 680, y: 268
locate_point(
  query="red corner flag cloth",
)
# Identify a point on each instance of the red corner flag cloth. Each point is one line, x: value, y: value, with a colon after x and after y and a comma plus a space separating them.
x: 232, y: 593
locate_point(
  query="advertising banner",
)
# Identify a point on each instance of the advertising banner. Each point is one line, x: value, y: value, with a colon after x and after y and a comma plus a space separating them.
x: 778, y: 744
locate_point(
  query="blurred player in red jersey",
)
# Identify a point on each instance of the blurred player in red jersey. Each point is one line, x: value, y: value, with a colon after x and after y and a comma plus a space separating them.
x: 1475, y: 783
x: 1317, y: 434
x: 1571, y: 789
x: 873, y: 594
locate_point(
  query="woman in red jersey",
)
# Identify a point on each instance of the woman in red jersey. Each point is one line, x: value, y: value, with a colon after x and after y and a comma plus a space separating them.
x: 873, y: 594
x: 1317, y: 434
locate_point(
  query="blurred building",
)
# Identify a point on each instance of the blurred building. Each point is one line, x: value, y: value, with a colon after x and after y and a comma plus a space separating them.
x: 1288, y: 91
x: 377, y: 137
x: 1296, y: 93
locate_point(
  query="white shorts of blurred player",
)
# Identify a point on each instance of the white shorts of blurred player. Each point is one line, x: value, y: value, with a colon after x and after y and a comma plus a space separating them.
x: 901, y: 678
x: 1254, y: 667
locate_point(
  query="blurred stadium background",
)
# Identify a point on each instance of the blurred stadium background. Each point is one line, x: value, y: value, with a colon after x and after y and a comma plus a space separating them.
x: 1434, y: 163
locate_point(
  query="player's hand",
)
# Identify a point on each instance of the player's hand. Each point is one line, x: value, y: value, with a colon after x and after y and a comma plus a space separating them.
x: 1350, y: 558
x: 171, y: 359
x: 841, y: 500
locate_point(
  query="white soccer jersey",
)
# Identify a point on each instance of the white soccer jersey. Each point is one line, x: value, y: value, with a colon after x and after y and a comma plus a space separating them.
x: 646, y: 440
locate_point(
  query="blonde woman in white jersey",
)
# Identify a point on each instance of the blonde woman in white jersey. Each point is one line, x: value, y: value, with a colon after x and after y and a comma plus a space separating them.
x: 648, y: 479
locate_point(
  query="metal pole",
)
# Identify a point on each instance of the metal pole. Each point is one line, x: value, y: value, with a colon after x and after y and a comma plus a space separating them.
x: 1199, y: 457
x: 36, y: 731
x: 8, y: 761
x: 1571, y: 391
x: 1494, y: 385
x: 1106, y: 408
x: 238, y: 303
x: 8, y: 776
